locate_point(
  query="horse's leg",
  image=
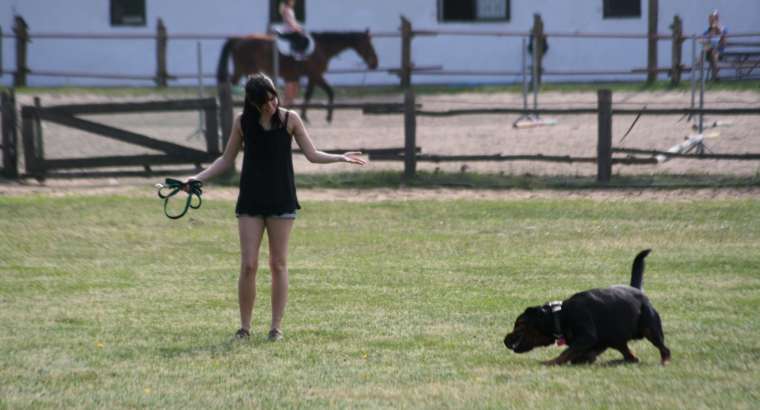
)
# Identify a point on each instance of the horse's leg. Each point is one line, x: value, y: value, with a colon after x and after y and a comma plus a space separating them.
x: 237, y: 70
x: 320, y: 81
x: 306, y: 98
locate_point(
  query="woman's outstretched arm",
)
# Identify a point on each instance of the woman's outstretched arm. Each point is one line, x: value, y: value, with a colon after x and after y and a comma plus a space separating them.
x: 297, y: 129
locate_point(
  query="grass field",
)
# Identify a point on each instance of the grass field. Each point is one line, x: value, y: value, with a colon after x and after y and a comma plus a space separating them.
x: 106, y: 303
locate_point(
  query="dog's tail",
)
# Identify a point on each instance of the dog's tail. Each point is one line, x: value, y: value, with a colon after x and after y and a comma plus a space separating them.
x: 637, y: 272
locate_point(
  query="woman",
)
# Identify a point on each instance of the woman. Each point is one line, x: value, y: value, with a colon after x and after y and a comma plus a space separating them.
x: 267, y: 198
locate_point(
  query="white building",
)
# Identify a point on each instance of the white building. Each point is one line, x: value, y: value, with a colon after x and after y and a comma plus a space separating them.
x: 240, y: 17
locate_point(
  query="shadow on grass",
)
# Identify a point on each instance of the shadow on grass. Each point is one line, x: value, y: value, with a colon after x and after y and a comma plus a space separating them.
x: 392, y: 179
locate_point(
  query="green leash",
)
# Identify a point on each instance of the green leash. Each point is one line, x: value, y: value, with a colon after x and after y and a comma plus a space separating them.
x: 172, y: 187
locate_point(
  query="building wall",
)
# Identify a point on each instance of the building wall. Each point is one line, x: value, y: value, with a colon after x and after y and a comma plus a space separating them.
x: 234, y: 17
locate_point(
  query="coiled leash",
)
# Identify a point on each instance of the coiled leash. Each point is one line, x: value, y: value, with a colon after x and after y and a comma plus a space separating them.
x: 171, y: 187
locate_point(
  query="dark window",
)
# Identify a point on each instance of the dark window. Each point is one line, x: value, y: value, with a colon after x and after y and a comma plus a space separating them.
x: 622, y: 8
x: 274, y: 11
x: 473, y: 10
x: 128, y: 13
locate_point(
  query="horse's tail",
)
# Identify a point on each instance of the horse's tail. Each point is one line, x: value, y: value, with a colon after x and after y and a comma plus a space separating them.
x: 221, y: 70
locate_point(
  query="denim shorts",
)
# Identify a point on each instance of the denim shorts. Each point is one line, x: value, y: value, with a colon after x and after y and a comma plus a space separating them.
x: 284, y: 215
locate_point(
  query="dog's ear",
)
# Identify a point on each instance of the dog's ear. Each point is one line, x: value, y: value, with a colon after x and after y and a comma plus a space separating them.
x: 534, y: 313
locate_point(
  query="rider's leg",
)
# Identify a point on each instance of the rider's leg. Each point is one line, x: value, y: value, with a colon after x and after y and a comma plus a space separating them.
x: 291, y: 91
x: 714, y: 64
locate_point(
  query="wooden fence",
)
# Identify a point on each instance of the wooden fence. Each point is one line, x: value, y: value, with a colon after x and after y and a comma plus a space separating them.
x: 604, y: 156
x: 40, y: 167
x: 410, y: 155
x: 9, y: 144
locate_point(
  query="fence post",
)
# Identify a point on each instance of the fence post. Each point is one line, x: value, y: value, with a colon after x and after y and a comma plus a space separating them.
x: 10, y: 140
x: 1, y: 52
x: 31, y: 131
x: 226, y: 117
x: 211, y: 131
x: 675, y: 71
x: 275, y: 52
x: 652, y: 42
x: 604, y: 143
x: 161, y: 40
x: 225, y: 110
x: 21, y: 30
x: 410, y: 120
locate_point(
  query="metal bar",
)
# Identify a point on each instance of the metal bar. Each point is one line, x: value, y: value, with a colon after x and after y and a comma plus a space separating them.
x: 276, y: 65
x: 576, y: 111
x: 89, y: 75
x: 693, y: 74
x: 701, y: 88
x: 1, y: 50
x: 524, y: 55
x: 535, y: 69
x: 379, y: 34
x: 199, y: 53
x: 468, y: 72
x: 746, y: 156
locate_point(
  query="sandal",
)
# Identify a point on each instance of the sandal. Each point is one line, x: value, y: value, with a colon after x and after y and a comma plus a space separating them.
x: 242, y: 334
x: 274, y: 335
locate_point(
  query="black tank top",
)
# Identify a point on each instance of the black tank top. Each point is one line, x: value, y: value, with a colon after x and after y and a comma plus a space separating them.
x: 267, y: 183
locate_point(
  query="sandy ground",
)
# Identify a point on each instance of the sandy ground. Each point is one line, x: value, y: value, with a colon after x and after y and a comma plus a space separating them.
x: 476, y: 134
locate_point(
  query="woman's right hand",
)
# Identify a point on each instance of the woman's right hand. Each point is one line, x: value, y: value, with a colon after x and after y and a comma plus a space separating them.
x: 186, y: 183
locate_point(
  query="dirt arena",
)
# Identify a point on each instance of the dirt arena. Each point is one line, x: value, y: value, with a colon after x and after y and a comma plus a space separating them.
x: 574, y: 135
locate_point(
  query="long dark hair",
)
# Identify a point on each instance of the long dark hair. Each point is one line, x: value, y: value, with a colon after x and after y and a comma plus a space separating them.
x: 257, y: 90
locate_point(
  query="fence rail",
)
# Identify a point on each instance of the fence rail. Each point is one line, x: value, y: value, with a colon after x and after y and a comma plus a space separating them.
x: 589, y: 110
x: 22, y: 36
x: 654, y: 153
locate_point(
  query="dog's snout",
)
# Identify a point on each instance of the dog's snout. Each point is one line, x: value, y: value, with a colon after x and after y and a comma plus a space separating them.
x: 510, y: 342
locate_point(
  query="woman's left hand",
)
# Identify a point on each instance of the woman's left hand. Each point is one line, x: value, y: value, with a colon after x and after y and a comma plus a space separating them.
x: 353, y: 157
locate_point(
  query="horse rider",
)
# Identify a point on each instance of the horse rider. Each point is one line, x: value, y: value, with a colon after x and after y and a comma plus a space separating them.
x: 714, y: 41
x: 294, y: 33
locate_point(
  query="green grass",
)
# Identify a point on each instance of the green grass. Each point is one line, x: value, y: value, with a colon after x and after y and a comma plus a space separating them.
x: 105, y: 303
x: 472, y: 180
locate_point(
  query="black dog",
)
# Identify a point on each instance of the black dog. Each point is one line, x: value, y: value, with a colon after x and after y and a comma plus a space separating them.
x: 590, y: 322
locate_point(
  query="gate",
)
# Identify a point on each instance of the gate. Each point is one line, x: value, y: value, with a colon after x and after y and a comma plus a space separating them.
x: 39, y: 167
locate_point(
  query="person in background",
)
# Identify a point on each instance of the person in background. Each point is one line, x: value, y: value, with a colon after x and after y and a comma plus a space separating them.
x: 294, y: 33
x: 267, y: 198
x: 715, y: 42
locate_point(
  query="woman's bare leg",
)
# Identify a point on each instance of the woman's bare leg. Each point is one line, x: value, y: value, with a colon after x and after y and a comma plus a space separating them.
x: 251, y: 232
x: 278, y: 231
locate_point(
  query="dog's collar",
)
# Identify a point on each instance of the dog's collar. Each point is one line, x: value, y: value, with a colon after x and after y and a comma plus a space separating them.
x: 555, y: 308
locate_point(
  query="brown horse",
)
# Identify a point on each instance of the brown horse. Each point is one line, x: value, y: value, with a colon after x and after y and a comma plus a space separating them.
x: 252, y: 54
